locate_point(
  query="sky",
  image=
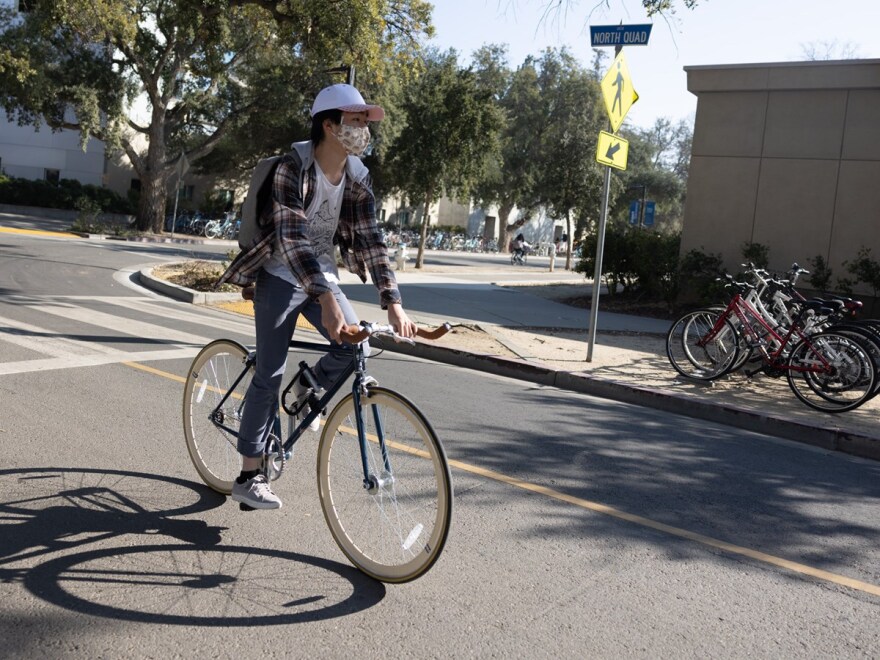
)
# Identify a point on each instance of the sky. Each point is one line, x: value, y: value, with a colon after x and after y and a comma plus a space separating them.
x: 715, y: 32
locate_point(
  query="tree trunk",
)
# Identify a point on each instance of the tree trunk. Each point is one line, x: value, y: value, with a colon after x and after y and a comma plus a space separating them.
x: 151, y: 212
x: 154, y: 178
x: 420, y: 259
x: 503, y: 228
x: 570, y: 241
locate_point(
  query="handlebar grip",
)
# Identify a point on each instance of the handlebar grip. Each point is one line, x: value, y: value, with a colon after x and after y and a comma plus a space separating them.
x: 436, y: 333
x: 353, y: 334
x: 248, y: 292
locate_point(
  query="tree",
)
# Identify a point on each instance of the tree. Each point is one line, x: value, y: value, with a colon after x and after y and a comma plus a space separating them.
x: 205, y: 70
x: 510, y: 177
x: 656, y: 170
x: 567, y: 178
x: 450, y: 135
x: 651, y: 7
x: 829, y: 50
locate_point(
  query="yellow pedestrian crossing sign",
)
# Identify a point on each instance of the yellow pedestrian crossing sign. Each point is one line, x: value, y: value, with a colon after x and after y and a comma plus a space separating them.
x: 618, y: 92
x: 612, y: 150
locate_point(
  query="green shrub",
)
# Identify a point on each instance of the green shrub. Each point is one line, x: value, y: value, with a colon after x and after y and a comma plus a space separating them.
x: 62, y: 195
x: 820, y: 273
x: 656, y: 264
x: 698, y: 276
x: 756, y: 253
x: 865, y: 269
x: 618, y: 258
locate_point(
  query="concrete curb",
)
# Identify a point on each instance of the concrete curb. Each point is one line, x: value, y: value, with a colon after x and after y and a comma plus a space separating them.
x: 826, y: 437
x: 145, y: 277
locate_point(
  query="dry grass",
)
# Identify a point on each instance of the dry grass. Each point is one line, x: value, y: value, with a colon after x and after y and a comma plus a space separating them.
x: 197, y: 275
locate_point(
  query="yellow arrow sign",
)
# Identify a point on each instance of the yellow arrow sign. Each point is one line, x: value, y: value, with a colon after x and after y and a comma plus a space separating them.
x: 618, y: 92
x: 612, y: 150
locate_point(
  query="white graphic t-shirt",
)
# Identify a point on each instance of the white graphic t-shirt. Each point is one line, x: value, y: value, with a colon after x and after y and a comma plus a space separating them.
x: 322, y: 217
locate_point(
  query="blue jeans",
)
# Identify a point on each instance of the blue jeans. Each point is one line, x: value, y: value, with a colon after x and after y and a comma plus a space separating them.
x: 277, y: 306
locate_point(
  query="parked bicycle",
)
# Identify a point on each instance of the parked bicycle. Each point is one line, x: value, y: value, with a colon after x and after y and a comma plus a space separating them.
x: 227, y: 228
x: 827, y: 370
x: 383, y: 479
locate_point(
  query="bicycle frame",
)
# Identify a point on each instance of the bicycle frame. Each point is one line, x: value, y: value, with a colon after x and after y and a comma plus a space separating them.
x: 742, y: 309
x: 357, y: 366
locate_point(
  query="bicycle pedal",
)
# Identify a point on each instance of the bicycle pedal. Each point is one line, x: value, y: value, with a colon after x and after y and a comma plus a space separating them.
x: 245, y: 507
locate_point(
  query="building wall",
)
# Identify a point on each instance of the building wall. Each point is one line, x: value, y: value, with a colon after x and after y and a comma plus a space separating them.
x: 27, y: 153
x: 786, y: 155
x: 444, y: 212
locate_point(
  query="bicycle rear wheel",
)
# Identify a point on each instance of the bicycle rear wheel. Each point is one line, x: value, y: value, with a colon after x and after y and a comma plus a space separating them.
x: 844, y: 384
x: 212, y: 229
x: 211, y: 429
x: 696, y: 351
x: 393, y: 528
x: 868, y: 339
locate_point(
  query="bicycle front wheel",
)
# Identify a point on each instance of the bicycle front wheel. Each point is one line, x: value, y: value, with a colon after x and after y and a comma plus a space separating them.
x: 701, y: 345
x: 393, y: 524
x: 213, y: 401
x: 831, y: 372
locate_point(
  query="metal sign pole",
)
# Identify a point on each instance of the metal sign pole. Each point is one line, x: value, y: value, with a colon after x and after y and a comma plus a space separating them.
x: 597, y: 274
x: 611, y: 150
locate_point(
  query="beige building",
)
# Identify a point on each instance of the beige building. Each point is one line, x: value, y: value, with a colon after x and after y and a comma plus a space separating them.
x: 786, y: 155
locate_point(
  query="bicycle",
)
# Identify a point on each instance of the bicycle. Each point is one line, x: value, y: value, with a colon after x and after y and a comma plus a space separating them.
x: 383, y: 478
x: 705, y: 345
x: 227, y: 227
x: 519, y: 257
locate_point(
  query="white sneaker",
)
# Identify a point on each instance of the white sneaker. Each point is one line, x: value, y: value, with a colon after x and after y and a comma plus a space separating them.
x: 301, y: 392
x: 256, y: 493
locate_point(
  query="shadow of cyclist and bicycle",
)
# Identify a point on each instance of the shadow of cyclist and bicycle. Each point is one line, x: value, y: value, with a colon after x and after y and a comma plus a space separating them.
x: 58, y: 527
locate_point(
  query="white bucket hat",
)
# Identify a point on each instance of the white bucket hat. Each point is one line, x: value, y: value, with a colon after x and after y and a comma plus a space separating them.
x: 347, y: 98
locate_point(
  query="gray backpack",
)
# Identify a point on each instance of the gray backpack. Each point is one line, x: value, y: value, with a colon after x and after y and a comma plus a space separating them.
x: 259, y: 193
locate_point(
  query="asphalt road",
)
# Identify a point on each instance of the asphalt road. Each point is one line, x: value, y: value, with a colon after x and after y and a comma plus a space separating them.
x: 583, y: 527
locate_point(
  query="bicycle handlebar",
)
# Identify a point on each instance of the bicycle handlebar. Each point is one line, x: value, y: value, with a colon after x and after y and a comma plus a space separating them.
x: 355, y: 334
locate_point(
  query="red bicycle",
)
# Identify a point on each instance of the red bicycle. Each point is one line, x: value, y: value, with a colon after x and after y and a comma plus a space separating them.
x: 828, y: 371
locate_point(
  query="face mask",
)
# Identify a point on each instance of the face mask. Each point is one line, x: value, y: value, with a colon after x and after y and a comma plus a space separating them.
x: 355, y: 139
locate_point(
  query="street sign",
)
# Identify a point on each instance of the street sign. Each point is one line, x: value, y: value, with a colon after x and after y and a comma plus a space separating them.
x: 618, y: 92
x: 634, y: 209
x: 612, y: 150
x: 649, y: 214
x: 620, y: 35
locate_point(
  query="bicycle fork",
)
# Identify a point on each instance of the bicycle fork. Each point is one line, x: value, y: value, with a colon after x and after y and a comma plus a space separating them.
x: 372, y: 482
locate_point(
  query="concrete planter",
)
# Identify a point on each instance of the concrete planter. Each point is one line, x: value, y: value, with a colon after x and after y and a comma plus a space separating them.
x: 182, y: 293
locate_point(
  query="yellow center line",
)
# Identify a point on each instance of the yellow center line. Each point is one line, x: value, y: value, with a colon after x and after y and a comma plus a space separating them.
x: 603, y: 509
x: 37, y: 232
x: 731, y: 548
x: 155, y: 372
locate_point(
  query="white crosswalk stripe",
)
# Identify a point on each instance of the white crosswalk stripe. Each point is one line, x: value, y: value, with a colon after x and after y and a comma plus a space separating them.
x: 65, y: 349
x: 46, y: 342
x: 72, y: 361
x: 167, y: 310
x: 120, y: 324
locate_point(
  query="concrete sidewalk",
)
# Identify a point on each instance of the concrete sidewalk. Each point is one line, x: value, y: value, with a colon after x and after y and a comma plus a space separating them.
x: 506, y: 330
x: 546, y: 342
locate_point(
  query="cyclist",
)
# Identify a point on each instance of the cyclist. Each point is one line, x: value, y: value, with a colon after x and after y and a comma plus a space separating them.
x: 520, y: 245
x: 321, y: 196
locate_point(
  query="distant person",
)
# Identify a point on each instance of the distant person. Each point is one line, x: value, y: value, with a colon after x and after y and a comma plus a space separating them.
x: 520, y: 248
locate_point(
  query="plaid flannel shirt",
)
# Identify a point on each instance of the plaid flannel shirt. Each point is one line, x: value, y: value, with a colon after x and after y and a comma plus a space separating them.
x: 283, y: 223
